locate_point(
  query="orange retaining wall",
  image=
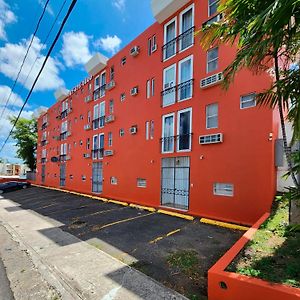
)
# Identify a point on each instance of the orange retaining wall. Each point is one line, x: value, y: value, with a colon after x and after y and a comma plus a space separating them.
x: 224, y: 285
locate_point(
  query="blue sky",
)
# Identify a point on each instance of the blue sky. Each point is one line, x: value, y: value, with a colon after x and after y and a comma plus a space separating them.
x: 95, y: 26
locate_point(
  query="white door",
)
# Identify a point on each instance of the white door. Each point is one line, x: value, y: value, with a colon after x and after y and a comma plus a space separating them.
x: 169, y: 92
x: 170, y: 39
x: 168, y: 134
x: 185, y: 86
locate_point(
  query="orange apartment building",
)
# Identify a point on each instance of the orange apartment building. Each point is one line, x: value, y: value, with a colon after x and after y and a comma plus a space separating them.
x: 153, y: 126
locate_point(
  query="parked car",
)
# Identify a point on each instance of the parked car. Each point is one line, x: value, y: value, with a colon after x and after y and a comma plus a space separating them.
x: 13, y: 186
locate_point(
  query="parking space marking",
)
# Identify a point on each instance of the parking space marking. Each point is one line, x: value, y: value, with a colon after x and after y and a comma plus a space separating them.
x: 164, y: 236
x: 101, y: 212
x: 45, y: 206
x: 67, y: 209
x: 95, y: 228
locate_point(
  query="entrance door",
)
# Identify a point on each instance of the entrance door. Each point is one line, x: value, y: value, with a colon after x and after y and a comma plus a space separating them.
x: 62, y: 175
x: 169, y: 85
x: 97, y: 178
x: 175, y: 182
x: 170, y: 41
x: 43, y: 173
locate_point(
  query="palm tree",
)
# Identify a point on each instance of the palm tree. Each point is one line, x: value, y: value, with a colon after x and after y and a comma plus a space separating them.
x: 267, y: 37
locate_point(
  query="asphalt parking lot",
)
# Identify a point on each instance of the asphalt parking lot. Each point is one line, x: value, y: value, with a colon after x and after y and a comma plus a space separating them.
x: 174, y: 251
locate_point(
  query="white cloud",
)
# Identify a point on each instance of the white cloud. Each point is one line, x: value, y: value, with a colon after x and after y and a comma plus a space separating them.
x: 15, y: 100
x: 11, y: 56
x: 49, y: 9
x: 109, y: 43
x: 119, y: 4
x: 75, y: 50
x: 6, y: 17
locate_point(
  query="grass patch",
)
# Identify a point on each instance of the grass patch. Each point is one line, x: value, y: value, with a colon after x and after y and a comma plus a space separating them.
x: 274, y: 253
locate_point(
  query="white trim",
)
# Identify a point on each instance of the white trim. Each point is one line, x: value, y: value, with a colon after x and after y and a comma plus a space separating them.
x: 165, y: 37
x: 192, y: 6
x: 245, y: 95
x: 208, y: 8
x: 222, y: 184
x: 191, y: 57
x: 96, y: 87
x: 175, y: 81
x: 163, y: 130
x: 93, y: 146
x: 103, y: 73
x: 178, y: 127
x: 206, y: 115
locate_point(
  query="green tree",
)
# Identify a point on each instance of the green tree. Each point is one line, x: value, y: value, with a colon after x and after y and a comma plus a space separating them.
x: 25, y: 134
x: 267, y: 37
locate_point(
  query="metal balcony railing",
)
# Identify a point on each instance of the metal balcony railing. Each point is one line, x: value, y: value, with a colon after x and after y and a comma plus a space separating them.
x: 99, y: 92
x: 181, y: 42
x: 99, y: 122
x: 182, y: 142
x: 98, y: 153
x: 63, y: 157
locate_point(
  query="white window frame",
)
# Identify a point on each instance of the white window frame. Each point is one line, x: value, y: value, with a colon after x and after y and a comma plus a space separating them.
x: 147, y: 130
x: 95, y: 143
x: 138, y: 183
x: 99, y: 142
x: 245, y: 95
x: 192, y: 6
x: 207, y: 117
x: 96, y: 112
x: 148, y: 89
x: 151, y: 129
x: 101, y: 113
x: 209, y: 5
x: 96, y: 86
x: 152, y: 87
x: 163, y: 130
x: 220, y: 193
x: 191, y: 57
x: 101, y: 77
x: 175, y: 81
x: 178, y: 127
x: 165, y: 37
x: 110, y: 139
x: 207, y: 61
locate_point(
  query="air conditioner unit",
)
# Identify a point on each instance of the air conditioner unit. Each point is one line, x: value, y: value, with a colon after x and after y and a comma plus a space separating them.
x: 134, y: 91
x: 133, y: 130
x: 108, y: 152
x: 109, y: 119
x: 211, y: 80
x: 68, y: 133
x: 87, y: 99
x: 134, y: 51
x: 86, y: 155
x: 87, y: 127
x: 111, y: 85
x: 211, y: 139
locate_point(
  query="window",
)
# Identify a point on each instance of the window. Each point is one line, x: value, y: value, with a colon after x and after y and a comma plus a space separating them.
x: 88, y: 144
x: 185, y: 77
x: 101, y: 141
x: 64, y: 127
x: 152, y: 46
x: 184, y: 130
x: 89, y: 116
x: 169, y: 94
x: 148, y: 88
x: 103, y: 84
x: 113, y: 180
x: 121, y: 132
x: 111, y: 106
x: 112, y: 73
x: 169, y: 48
x: 187, y: 28
x: 168, y: 133
x: 212, y: 59
x: 102, y: 114
x: 212, y: 116
x: 223, y: 189
x: 96, y: 117
x: 97, y: 82
x: 248, y: 101
x: 142, y: 183
x: 151, y: 129
x: 110, y: 139
x: 212, y: 7
x: 122, y: 97
x: 123, y: 61
x: 147, y: 129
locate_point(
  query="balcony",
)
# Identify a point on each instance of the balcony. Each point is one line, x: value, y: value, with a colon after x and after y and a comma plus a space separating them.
x: 99, y: 122
x: 180, y: 43
x: 65, y: 112
x: 61, y: 94
x: 98, y: 153
x: 97, y: 63
x: 180, y: 92
x: 183, y: 143
x: 162, y: 10
x: 99, y: 92
x: 44, y: 125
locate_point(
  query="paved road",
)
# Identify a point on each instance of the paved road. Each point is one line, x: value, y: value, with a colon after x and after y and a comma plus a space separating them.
x: 5, y: 291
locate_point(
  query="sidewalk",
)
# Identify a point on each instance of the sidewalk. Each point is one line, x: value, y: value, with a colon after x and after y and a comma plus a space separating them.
x: 73, y: 268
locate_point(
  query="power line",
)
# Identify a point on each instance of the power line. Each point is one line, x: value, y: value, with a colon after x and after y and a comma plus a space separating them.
x: 27, y: 51
x: 45, y: 41
x: 44, y: 63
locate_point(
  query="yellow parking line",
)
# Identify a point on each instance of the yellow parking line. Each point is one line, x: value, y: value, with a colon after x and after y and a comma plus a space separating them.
x: 175, y: 214
x: 223, y: 224
x: 101, y: 212
x: 119, y: 222
x: 164, y: 236
x: 118, y: 202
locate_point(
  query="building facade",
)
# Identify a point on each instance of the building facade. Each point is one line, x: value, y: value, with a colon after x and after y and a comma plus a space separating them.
x: 153, y: 126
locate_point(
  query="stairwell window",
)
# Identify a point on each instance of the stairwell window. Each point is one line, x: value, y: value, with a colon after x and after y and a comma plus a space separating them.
x: 212, y: 60
x: 148, y: 88
x: 212, y: 116
x: 123, y: 61
x: 248, y: 101
x: 152, y: 46
x: 121, y: 132
x: 223, y: 189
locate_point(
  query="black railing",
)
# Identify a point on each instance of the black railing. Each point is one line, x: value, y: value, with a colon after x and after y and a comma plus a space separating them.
x: 99, y: 122
x: 99, y: 92
x: 63, y: 157
x: 213, y: 19
x: 98, y: 153
x: 181, y: 42
x: 43, y: 160
x: 182, y: 142
x: 44, y: 125
x: 44, y: 143
x: 63, y: 136
x: 178, y: 92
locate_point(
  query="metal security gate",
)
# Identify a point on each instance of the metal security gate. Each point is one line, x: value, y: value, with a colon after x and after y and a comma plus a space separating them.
x: 43, y: 175
x: 175, y: 182
x: 62, y: 175
x: 97, y: 179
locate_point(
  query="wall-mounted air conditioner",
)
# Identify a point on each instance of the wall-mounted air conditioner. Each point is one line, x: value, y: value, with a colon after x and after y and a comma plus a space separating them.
x: 111, y: 85
x: 211, y: 80
x: 134, y: 51
x: 211, y: 139
x: 134, y: 91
